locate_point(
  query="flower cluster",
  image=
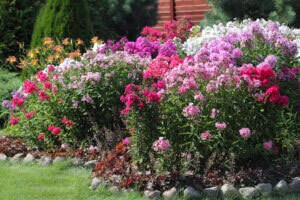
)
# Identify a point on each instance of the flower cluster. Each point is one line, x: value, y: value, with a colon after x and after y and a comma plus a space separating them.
x: 161, y: 144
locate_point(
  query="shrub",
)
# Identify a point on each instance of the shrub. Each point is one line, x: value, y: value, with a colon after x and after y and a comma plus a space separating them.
x: 236, y: 96
x: 75, y: 102
x: 62, y: 19
x: 16, y: 24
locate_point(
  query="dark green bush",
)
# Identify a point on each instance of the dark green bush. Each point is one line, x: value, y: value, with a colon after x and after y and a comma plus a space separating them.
x: 284, y: 11
x: 116, y: 18
x: 16, y: 23
x: 62, y: 19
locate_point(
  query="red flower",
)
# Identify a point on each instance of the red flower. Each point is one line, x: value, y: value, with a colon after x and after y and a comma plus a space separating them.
x: 14, y: 121
x: 30, y: 87
x: 42, y: 77
x: 284, y: 100
x: 17, y: 101
x: 56, y: 130
x: 47, y: 85
x: 51, y: 68
x: 67, y: 122
x: 41, y: 137
x: 50, y: 128
x: 43, y: 95
x: 29, y: 114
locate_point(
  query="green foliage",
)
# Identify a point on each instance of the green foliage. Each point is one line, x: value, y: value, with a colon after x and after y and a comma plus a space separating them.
x: 115, y: 18
x: 62, y: 19
x: 283, y: 11
x: 16, y: 23
x: 8, y: 82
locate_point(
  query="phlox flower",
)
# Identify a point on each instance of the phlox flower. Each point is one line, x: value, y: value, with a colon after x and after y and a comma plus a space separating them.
x: 41, y: 137
x: 161, y: 144
x: 220, y: 125
x: 245, y: 132
x: 93, y: 148
x: 48, y: 86
x: 43, y: 96
x: 126, y: 141
x: 65, y: 145
x: 30, y: 114
x: 191, y: 110
x: 29, y: 87
x: 50, y: 68
x: 205, y: 136
x: 214, y: 112
x: 14, y: 121
x: 268, y: 145
x: 42, y: 77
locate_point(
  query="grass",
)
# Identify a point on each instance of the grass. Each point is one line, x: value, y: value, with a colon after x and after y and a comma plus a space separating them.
x: 57, y: 182
x: 60, y: 182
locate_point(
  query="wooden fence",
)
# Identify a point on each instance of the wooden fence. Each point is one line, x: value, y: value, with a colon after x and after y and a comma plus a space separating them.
x: 176, y: 9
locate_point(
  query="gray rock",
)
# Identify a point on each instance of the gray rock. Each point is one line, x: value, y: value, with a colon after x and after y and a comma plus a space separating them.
x: 59, y: 159
x: 77, y: 161
x: 191, y: 193
x: 29, y: 158
x: 45, y: 161
x: 294, y: 186
x: 229, y: 191
x: 3, y: 157
x: 90, y: 164
x: 95, y: 183
x: 152, y: 194
x: 114, y: 189
x: 16, y: 158
x: 213, y: 192
x: 170, y: 194
x: 265, y: 189
x: 281, y: 187
x: 249, y: 192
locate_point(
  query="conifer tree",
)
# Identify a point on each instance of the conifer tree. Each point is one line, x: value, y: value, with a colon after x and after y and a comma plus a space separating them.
x: 62, y: 19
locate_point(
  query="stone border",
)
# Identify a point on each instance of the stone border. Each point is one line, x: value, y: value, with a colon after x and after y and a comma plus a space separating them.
x: 218, y: 192
x: 46, y: 160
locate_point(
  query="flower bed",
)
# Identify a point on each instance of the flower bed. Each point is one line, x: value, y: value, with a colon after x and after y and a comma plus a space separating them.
x: 213, y: 103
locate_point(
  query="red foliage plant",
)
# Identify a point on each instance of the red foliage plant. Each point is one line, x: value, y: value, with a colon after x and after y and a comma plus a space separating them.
x: 117, y: 168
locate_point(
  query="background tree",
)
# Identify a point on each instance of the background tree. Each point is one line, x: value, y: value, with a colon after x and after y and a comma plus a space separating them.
x: 116, y: 18
x: 284, y: 11
x: 62, y: 19
x: 16, y: 23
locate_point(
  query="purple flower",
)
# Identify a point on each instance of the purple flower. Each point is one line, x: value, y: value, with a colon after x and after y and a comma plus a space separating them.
x: 7, y: 104
x: 168, y: 49
x: 271, y: 60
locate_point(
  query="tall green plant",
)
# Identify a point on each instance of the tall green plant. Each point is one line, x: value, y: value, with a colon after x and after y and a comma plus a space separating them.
x: 62, y: 19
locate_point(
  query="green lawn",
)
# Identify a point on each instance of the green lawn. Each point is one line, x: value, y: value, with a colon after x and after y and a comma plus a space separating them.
x: 58, y: 182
